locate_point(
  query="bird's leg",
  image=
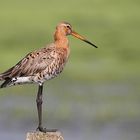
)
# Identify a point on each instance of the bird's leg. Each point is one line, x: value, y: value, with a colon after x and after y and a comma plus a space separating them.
x: 39, y: 108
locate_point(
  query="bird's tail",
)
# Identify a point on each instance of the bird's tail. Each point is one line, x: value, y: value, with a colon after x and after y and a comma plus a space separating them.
x: 1, y: 77
x: 6, y: 74
x: 4, y: 77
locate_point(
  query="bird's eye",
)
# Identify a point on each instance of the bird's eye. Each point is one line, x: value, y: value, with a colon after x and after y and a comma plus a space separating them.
x: 68, y: 26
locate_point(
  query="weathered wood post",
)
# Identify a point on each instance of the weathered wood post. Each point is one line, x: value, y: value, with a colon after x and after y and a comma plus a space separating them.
x: 44, y: 136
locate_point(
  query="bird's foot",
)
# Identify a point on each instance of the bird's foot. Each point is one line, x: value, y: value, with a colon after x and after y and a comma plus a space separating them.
x: 41, y: 129
x: 44, y: 130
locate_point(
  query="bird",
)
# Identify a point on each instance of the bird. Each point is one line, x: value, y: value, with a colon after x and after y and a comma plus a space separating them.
x: 42, y: 65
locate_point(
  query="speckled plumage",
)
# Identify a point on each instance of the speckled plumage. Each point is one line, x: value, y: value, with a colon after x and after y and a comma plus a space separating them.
x: 37, y: 66
x: 40, y: 65
x: 43, y: 64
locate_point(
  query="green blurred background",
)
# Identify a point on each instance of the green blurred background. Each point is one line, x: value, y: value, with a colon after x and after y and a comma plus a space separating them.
x: 98, y: 94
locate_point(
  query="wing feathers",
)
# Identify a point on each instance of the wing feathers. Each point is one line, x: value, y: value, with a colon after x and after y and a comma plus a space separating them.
x: 31, y: 64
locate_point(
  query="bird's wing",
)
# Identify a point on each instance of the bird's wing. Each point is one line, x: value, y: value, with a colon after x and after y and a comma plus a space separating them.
x: 31, y: 64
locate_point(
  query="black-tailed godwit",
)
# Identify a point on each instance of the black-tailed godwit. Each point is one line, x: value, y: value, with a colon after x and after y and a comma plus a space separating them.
x: 43, y: 64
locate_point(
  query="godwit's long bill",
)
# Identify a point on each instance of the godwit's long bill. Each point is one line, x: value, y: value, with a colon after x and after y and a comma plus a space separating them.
x: 82, y: 38
x: 43, y: 64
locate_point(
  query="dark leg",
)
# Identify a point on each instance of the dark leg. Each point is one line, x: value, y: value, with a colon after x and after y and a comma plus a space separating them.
x: 39, y: 108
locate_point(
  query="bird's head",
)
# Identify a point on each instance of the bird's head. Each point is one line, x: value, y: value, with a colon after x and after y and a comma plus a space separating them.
x: 66, y: 29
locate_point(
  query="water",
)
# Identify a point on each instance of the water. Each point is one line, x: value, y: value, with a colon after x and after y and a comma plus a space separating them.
x: 104, y: 112
x: 129, y: 130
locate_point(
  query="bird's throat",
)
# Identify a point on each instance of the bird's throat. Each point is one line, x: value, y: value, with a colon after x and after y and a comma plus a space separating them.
x: 61, y: 39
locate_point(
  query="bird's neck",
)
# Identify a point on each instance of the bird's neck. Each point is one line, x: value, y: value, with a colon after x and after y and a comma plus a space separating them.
x: 61, y: 39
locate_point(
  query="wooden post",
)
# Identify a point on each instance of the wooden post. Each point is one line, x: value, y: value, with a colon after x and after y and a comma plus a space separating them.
x: 44, y: 136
